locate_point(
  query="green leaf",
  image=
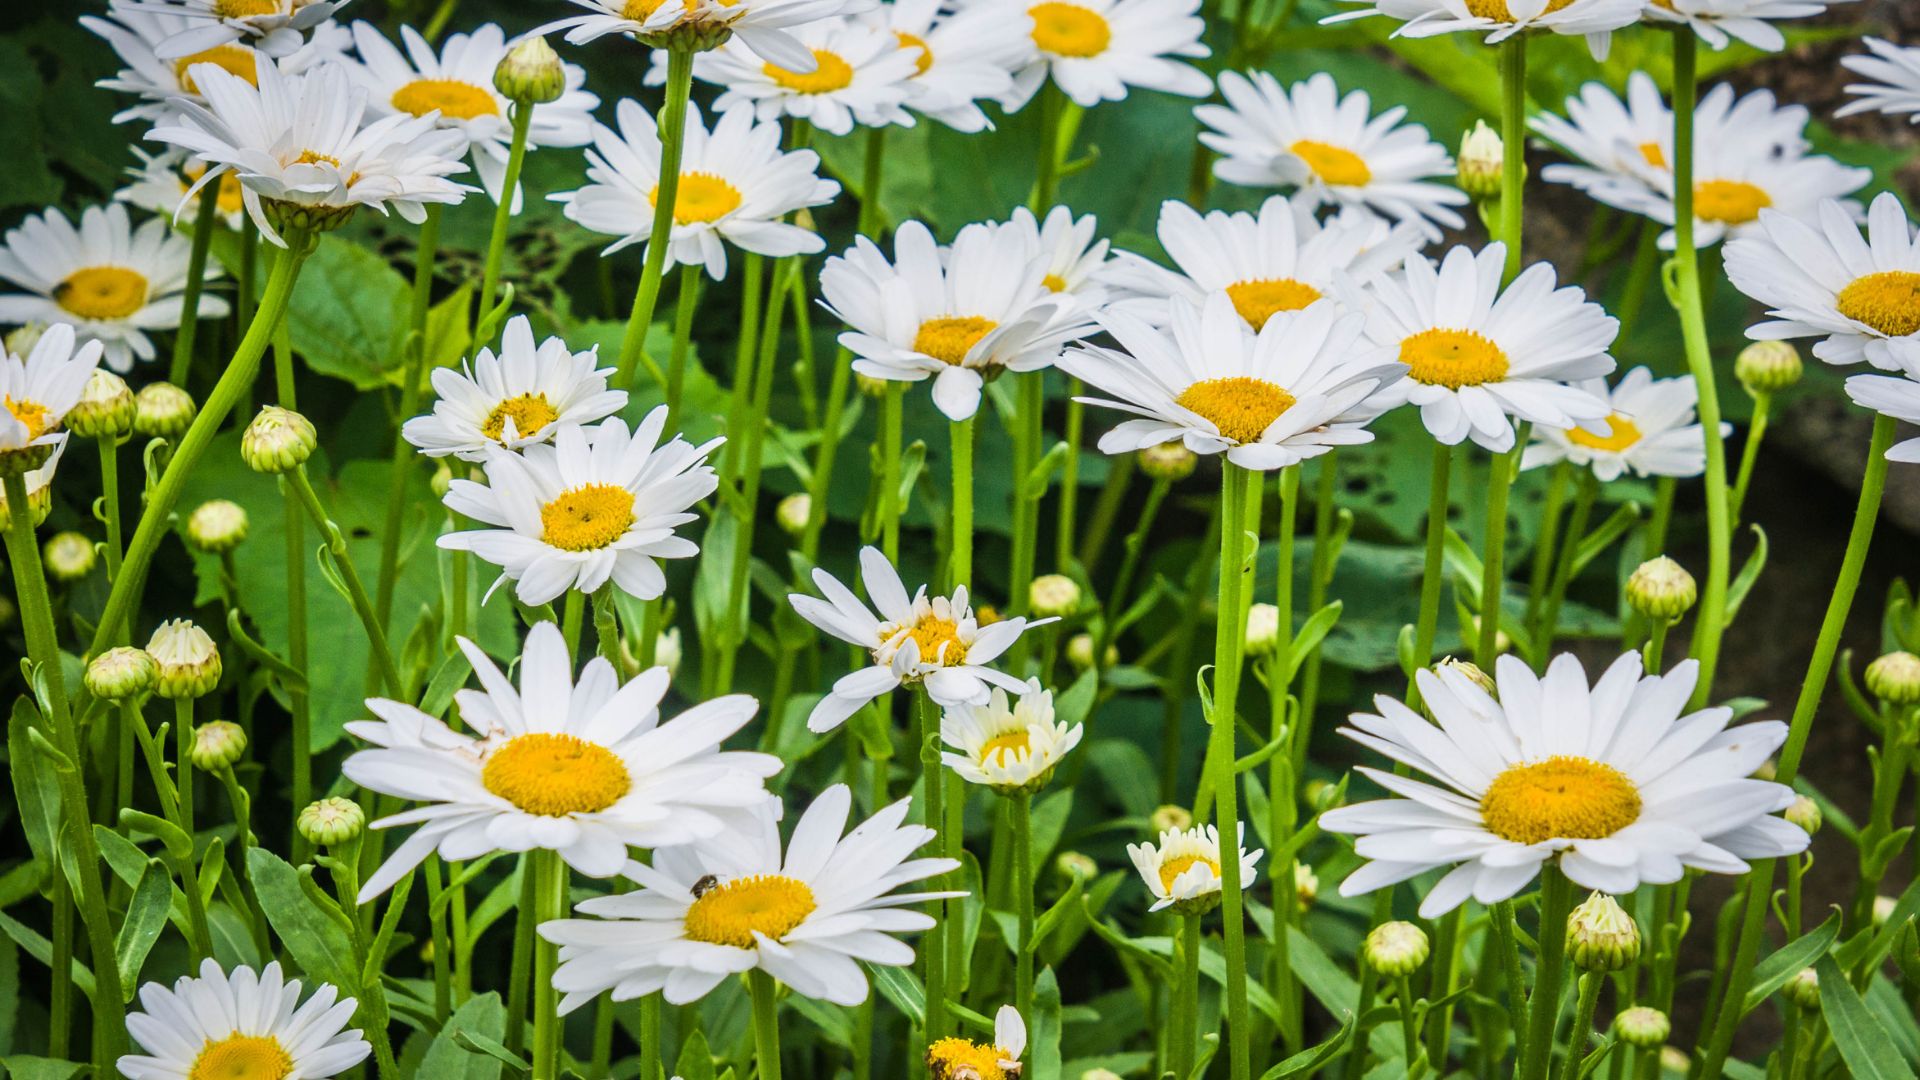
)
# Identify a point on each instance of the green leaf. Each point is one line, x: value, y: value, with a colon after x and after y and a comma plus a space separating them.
x: 351, y: 318
x: 1749, y: 573
x: 900, y: 986
x: 35, y: 789
x: 482, y: 1015
x: 38, y: 947
x: 696, y: 1060
x: 26, y: 1067
x: 1306, y: 1061
x: 313, y: 937
x: 146, y: 918
x: 1864, y: 1043
x: 1773, y: 972
x: 1043, y: 1048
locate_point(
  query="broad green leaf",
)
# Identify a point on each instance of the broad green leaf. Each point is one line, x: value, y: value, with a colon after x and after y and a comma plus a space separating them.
x: 35, y: 788
x: 1043, y: 1045
x: 482, y: 1015
x: 146, y: 918
x: 1773, y: 972
x: 900, y: 986
x: 1864, y: 1043
x: 349, y: 315
x: 696, y: 1060
x: 315, y: 939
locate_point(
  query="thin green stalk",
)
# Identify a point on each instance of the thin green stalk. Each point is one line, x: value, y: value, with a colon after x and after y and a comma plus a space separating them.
x: 651, y: 1008
x: 766, y: 1025
x: 1750, y: 453
x: 182, y: 762
x: 183, y: 340
x: 349, y: 576
x: 684, y: 306
x: 1321, y: 576
x: 572, y: 617
x: 927, y: 751
x: 1581, y: 1034
x: 672, y: 126
x: 1409, y: 1027
x: 413, y: 374
x: 299, y: 703
x: 1513, y: 137
x: 1432, y: 572
x: 1184, y: 1039
x: 1032, y: 396
x: 1228, y: 649
x: 1064, y: 527
x: 1053, y: 107
x: 60, y: 990
x: 890, y: 424
x: 1543, y: 1010
x: 1283, y: 768
x: 1179, y: 671
x: 550, y: 902
x: 1563, y: 571
x: 110, y: 504
x: 520, y: 959
x: 1640, y: 274
x: 503, y: 210
x: 1113, y: 495
x: 1542, y: 564
x: 1506, y: 951
x: 1363, y: 1021
x: 441, y: 940
x: 1493, y: 573
x: 1021, y: 803
x: 960, y: 570
x: 1136, y: 542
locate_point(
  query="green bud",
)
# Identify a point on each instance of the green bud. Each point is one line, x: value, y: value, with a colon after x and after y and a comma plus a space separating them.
x: 1601, y: 936
x: 531, y: 73
x: 121, y: 673
x: 1768, y: 367
x: 105, y: 410
x: 188, y: 660
x: 1395, y: 948
x: 162, y: 410
x: 277, y: 441
x: 1661, y: 589
x: 1895, y: 678
x: 1643, y: 1027
x: 331, y: 822
x: 69, y: 556
x: 217, y: 744
x: 217, y: 526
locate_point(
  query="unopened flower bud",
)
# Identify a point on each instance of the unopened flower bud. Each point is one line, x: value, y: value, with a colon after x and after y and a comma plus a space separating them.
x: 1768, y: 367
x: 69, y: 556
x: 1472, y: 672
x: 442, y: 480
x: 162, y: 410
x: 1675, y: 1060
x: 331, y: 822
x: 1804, y: 988
x: 217, y: 744
x: 121, y: 673
x: 1643, y: 1027
x: 1883, y: 910
x: 217, y: 526
x: 1306, y: 887
x: 1395, y: 948
x: 1170, y: 817
x: 1322, y: 795
x: 189, y: 663
x: 1170, y: 461
x: 793, y: 512
x: 1805, y: 813
x: 1100, y: 1074
x: 1768, y: 770
x: 1661, y: 589
x: 1053, y: 596
x: 1080, y: 653
x: 1483, y: 157
x: 666, y: 650
x: 1263, y: 629
x: 21, y: 339
x: 531, y: 73
x: 871, y: 386
x: 277, y: 441
x: 105, y: 409
x: 1895, y: 678
x: 1601, y: 936
x: 1073, y: 865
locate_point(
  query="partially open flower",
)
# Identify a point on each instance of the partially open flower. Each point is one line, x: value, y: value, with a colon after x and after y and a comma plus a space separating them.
x: 1482, y: 160
x: 1263, y: 629
x: 1007, y: 746
x: 188, y: 660
x: 1183, y: 869
x: 1601, y: 936
x: 105, y: 408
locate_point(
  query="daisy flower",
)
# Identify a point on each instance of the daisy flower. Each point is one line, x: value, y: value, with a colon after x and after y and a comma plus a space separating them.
x: 1889, y: 396
x: 999, y: 1060
x: 1895, y: 85
x: 958, y: 316
x: 931, y: 641
x: 514, y: 399
x: 764, y: 25
x: 243, y: 1023
x: 1619, y: 144
x: 112, y: 282
x: 734, y: 903
x: 1182, y: 871
x: 1721, y: 22
x: 1006, y: 746
x: 1069, y: 248
x: 297, y: 143
x: 1650, y: 431
x: 860, y: 74
x: 1094, y: 49
x: 275, y: 27
x: 164, y: 183
x: 1610, y: 780
x: 1501, y: 19
x: 592, y: 506
x: 960, y: 58
x: 1331, y: 148
x: 1267, y: 400
x: 1820, y: 278
x: 39, y: 487
x: 135, y: 31
x: 736, y: 185
x: 1477, y: 354
x: 585, y: 769
x: 38, y: 390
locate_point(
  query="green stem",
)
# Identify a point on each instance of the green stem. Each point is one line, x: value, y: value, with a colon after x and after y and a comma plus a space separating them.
x: 890, y: 425
x: 1506, y: 949
x: 1136, y: 542
x: 1229, y: 647
x: 1542, y: 563
x: 413, y: 373
x: 182, y: 763
x: 1185, y: 1037
x: 1563, y: 570
x: 672, y: 127
x: 1113, y: 494
x: 1543, y: 1010
x: 1513, y: 136
x: 1022, y: 806
x: 1032, y: 395
x: 1064, y: 530
x: 960, y: 570
x: 1179, y: 672
x: 299, y: 704
x: 1409, y: 1028
x: 1053, y: 106
x: 927, y: 750
x: 550, y: 902
x: 183, y: 340
x: 110, y: 504
x: 503, y: 210
x: 684, y: 306
x: 442, y: 941
x: 1750, y: 453
x: 1493, y: 573
x: 766, y: 1024
x: 651, y: 1008
x: 1321, y: 575
x: 1432, y: 572
x: 1582, y: 1032
x: 1283, y: 768
x: 349, y: 576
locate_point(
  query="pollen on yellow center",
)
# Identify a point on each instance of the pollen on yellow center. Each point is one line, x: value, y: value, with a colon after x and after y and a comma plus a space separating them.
x: 1006, y: 749
x: 1054, y: 283
x: 1261, y: 299
x: 702, y: 197
x: 33, y: 415
x: 1498, y: 11
x: 529, y: 413
x: 1241, y: 407
x: 639, y: 10
x: 1563, y: 798
x: 1731, y: 202
x: 102, y: 292
x: 1334, y: 165
x: 1453, y: 358
x: 957, y: 1059
x: 939, y: 641
x: 587, y: 518
x: 245, y: 9
x: 1171, y: 869
x: 1622, y: 432
x: 454, y: 99
x: 1888, y: 301
x: 315, y: 157
x: 553, y: 775
x: 830, y: 73
x: 731, y: 912
x: 1069, y: 29
x: 948, y: 338
x: 914, y: 41
x: 1653, y: 154
x: 241, y: 1057
x: 232, y: 58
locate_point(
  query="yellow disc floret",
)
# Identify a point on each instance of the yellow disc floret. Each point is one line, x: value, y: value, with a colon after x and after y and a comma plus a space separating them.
x: 1171, y: 869
x: 1335, y: 165
x: 1008, y: 748
x: 701, y: 198
x: 1730, y: 202
x: 949, y: 338
x: 241, y: 1057
x: 587, y: 517
x: 939, y: 641
x: 1561, y: 798
x: 102, y: 292
x: 553, y: 775
x: 1260, y: 299
x: 245, y: 9
x: 1498, y: 11
x: 236, y: 59
x: 731, y: 912
x: 958, y: 1059
x: 1069, y: 29
x: 1621, y: 433
x: 830, y: 73
x: 914, y: 41
x: 1888, y: 301
x: 453, y: 99
x: 35, y: 417
x: 1240, y: 407
x: 529, y: 413
x: 1453, y: 358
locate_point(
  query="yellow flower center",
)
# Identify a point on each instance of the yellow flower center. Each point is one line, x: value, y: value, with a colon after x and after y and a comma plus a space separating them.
x: 1069, y: 29
x: 731, y: 912
x: 555, y: 775
x: 1335, y: 165
x: 1453, y: 358
x: 529, y: 413
x: 1561, y: 798
x: 245, y: 9
x: 939, y: 641
x: 951, y: 1059
x: 1054, y: 283
x: 1007, y: 748
x: 1654, y: 155
x: 701, y: 197
x: 639, y: 10
x: 830, y: 73
x: 948, y: 338
x: 1171, y: 869
x: 1888, y: 301
x: 1498, y: 11
x: 1621, y: 433
x: 241, y: 1057
x: 1241, y: 407
x: 914, y: 41
x: 315, y: 157
x: 1263, y: 298
x: 231, y: 58
x: 102, y: 292
x: 1734, y: 202
x: 456, y: 100
x: 32, y: 414
x: 587, y: 518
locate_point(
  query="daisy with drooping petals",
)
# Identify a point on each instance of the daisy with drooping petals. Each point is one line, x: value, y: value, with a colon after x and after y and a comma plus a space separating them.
x: 38, y: 390
x: 1477, y: 354
x: 1596, y: 20
x: 736, y: 185
x: 1267, y: 400
x: 594, y: 505
x: 584, y: 769
x: 960, y: 58
x: 112, y: 282
x: 1650, y: 432
x: 1331, y: 148
x: 241, y: 1024
x: 275, y: 27
x: 764, y: 25
x: 1610, y: 781
x: 933, y: 641
x: 1094, y: 49
x: 1000, y: 1060
x: 1721, y: 22
x: 1007, y: 746
x: 1182, y: 870
x: 860, y: 74
x: 1890, y: 396
x: 733, y: 903
x: 1895, y: 89
x: 1069, y: 248
x: 164, y: 183
x: 515, y: 399
x: 1820, y: 278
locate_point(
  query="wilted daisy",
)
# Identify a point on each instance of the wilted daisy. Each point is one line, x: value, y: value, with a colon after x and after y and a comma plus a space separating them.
x: 935, y: 641
x: 1477, y: 354
x: 275, y: 27
x: 1895, y: 86
x: 1610, y: 781
x: 1007, y: 745
x: 592, y: 506
x: 584, y: 769
x: 1267, y: 400
x: 1182, y: 870
x: 736, y: 185
x: 764, y: 25
x: 729, y: 904
x: 111, y: 281
x: 1650, y: 432
x: 960, y: 58
x: 1331, y: 148
x: 514, y: 399
x: 457, y: 84
x: 241, y: 1024
x: 860, y: 74
x: 1820, y: 278
x: 164, y: 184
x: 955, y: 1058
x: 1890, y: 396
x: 1094, y: 49
x: 37, y: 390
x: 1721, y: 22
x: 1501, y: 19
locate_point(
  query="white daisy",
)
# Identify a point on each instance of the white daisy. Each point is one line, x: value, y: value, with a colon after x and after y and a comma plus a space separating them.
x: 243, y: 1023
x: 1069, y: 248
x: 1182, y: 871
x: 275, y: 27
x: 1820, y: 278
x: 1501, y: 19
x: 514, y: 399
x: 733, y: 903
x: 594, y: 505
x: 134, y: 31
x: 1007, y: 746
x: 1612, y: 781
x: 736, y: 184
x: 111, y: 281
x: 999, y: 1060
x: 957, y: 316
x: 960, y: 58
x: 764, y: 25
x: 586, y: 769
x: 1890, y: 396
x: 298, y: 140
x: 163, y: 183
x: 860, y: 74
x: 1331, y: 148
x: 37, y: 391
x: 1721, y: 22
x: 1895, y: 86
x: 1650, y: 431
x: 1267, y: 400
x: 1477, y: 354
x: 932, y: 641
x: 1094, y: 49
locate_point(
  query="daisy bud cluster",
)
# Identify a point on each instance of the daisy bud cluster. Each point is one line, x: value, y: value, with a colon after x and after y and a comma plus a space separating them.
x: 1643, y: 1027
x: 121, y: 673
x: 105, y: 410
x: 163, y: 410
x: 217, y: 745
x: 1768, y: 367
x: 217, y: 526
x: 531, y: 73
x: 1895, y: 678
x: 331, y: 822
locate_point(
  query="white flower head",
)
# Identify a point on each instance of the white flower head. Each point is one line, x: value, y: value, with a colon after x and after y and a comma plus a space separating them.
x: 1894, y: 86
x: 1619, y: 144
x: 514, y: 399
x: 766, y: 26
x: 1719, y: 23
x: 961, y: 57
x: 135, y: 31
x: 734, y: 902
x: 1007, y: 745
x: 1093, y: 50
x: 36, y: 391
x: 594, y: 505
x: 933, y: 641
x: 1501, y: 19
x: 860, y: 74
x: 164, y: 183
x: 736, y: 186
x: 1069, y: 248
x: 586, y: 769
x: 1182, y: 870
x: 1890, y: 396
x: 1609, y: 780
x: 1650, y: 432
x: 275, y: 27
x: 1740, y: 173
x: 241, y: 1023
